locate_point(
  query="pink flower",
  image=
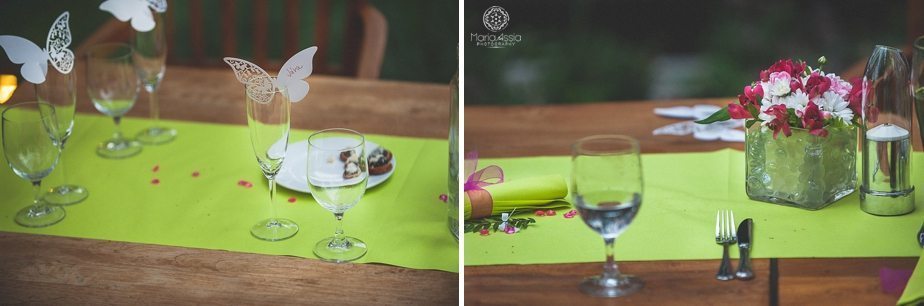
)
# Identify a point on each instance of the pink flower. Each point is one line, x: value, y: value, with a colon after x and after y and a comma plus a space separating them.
x: 779, y: 121
x: 839, y: 86
x: 855, y: 96
x: 816, y: 85
x: 813, y: 120
x: 787, y: 65
x: 751, y: 95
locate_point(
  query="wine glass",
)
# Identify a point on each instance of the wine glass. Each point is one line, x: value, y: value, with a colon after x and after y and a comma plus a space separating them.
x: 149, y: 57
x: 113, y: 87
x: 606, y: 186
x: 917, y: 83
x: 59, y: 90
x: 337, y: 175
x: 268, y: 119
x: 30, y: 144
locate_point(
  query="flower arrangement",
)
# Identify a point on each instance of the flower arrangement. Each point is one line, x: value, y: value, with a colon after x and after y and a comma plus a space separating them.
x: 790, y: 94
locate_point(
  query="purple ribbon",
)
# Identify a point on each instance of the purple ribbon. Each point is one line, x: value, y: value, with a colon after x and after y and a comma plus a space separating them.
x: 476, y: 180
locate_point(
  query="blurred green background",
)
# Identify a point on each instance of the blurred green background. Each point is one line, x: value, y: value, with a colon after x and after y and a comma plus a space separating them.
x: 594, y: 50
x: 422, y: 35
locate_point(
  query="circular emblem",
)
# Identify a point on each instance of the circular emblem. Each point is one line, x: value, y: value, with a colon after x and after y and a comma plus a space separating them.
x: 495, y: 18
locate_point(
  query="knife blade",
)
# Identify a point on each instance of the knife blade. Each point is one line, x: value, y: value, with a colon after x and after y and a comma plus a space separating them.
x: 745, y: 239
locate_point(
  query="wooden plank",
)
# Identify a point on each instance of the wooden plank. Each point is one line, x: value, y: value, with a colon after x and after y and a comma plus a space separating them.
x: 666, y: 283
x: 536, y: 130
x: 37, y: 269
x: 848, y: 281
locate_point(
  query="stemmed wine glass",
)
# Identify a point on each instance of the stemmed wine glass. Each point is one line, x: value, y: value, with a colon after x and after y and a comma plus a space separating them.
x: 606, y: 186
x: 337, y: 175
x: 113, y: 87
x: 30, y: 144
x: 149, y: 57
x: 59, y: 90
x: 268, y: 119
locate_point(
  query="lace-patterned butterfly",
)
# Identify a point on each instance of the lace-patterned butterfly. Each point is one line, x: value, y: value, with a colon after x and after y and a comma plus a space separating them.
x: 34, y: 59
x: 291, y: 76
x: 138, y: 11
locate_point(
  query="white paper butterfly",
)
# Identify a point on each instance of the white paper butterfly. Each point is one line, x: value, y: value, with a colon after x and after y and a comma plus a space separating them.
x: 291, y: 76
x: 34, y: 59
x: 136, y: 10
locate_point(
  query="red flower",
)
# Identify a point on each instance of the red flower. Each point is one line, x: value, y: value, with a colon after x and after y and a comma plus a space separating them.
x: 751, y: 95
x: 793, y: 68
x: 796, y: 84
x: 813, y: 120
x: 736, y: 111
x: 780, y: 120
x: 816, y: 85
x: 855, y: 97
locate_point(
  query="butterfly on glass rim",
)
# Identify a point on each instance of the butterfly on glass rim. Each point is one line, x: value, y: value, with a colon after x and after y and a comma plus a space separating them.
x: 138, y: 11
x: 291, y: 76
x: 34, y: 59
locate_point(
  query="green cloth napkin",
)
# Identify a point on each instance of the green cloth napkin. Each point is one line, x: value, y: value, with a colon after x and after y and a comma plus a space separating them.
x: 676, y: 220
x: 540, y: 192
x: 402, y: 221
x: 914, y: 290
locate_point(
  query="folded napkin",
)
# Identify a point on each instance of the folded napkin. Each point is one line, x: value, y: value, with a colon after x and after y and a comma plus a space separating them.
x: 914, y: 291
x: 542, y: 192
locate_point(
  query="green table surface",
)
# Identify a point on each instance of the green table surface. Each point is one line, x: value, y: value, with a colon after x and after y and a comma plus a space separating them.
x: 402, y: 221
x: 682, y: 193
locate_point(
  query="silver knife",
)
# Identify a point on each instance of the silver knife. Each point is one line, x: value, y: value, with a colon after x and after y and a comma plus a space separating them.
x: 745, y: 236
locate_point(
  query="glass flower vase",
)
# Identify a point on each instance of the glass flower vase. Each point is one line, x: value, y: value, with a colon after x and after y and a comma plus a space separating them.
x: 802, y: 170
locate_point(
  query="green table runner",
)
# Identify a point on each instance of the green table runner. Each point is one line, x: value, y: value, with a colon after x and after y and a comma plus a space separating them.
x: 402, y: 221
x: 677, y: 219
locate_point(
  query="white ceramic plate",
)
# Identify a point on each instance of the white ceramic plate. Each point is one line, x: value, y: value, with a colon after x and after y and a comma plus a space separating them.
x: 294, y: 172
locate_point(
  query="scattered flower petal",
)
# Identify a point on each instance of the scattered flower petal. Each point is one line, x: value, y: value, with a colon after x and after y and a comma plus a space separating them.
x: 195, y: 174
x: 244, y: 183
x: 484, y: 232
x: 510, y: 230
x: 156, y: 168
x: 540, y: 213
x: 550, y: 212
x: 444, y: 198
x: 155, y: 181
x: 292, y: 200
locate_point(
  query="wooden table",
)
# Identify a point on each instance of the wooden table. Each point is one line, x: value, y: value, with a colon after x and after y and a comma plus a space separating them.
x: 54, y: 270
x: 512, y: 131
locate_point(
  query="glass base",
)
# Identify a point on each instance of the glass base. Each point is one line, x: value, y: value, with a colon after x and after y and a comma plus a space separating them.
x: 621, y: 285
x: 349, y: 249
x: 156, y: 135
x: 40, y: 216
x: 274, y: 229
x: 118, y: 148
x: 66, y: 195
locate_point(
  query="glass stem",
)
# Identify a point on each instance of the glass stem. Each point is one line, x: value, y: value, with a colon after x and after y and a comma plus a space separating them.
x: 155, y: 111
x: 117, y: 135
x: 610, y: 270
x: 37, y: 204
x: 272, y: 188
x: 338, y: 234
x: 61, y: 164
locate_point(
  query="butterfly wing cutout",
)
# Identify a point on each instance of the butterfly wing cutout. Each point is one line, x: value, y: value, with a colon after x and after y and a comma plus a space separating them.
x: 293, y: 73
x: 135, y: 10
x: 33, y: 59
x: 246, y: 72
x: 159, y: 6
x: 59, y: 38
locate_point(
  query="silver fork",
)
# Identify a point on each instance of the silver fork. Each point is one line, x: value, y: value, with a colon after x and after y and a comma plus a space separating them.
x: 725, y: 235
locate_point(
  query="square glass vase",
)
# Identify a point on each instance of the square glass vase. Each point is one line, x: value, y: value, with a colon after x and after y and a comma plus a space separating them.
x: 802, y: 170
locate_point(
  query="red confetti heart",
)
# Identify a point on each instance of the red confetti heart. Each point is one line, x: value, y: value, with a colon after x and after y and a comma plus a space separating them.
x: 550, y: 212
x: 292, y: 200
x: 485, y: 232
x: 195, y: 174
x: 540, y: 213
x: 244, y: 183
x: 156, y: 168
x: 444, y: 198
x: 155, y: 181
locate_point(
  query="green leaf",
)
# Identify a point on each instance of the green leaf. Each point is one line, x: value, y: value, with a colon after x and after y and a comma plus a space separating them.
x: 720, y: 115
x: 750, y: 122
